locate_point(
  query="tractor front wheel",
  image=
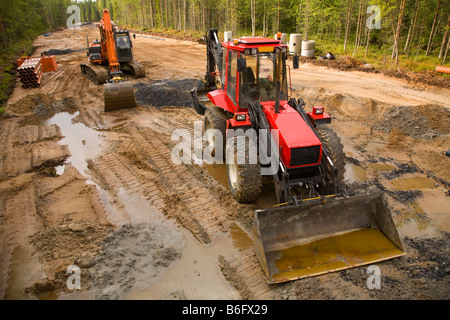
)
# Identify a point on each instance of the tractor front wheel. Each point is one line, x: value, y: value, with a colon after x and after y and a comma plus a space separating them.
x: 244, y: 179
x: 215, y: 118
x: 335, y: 149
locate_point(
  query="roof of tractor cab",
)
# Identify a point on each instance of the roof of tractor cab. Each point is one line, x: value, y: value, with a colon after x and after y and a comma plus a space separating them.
x: 245, y: 43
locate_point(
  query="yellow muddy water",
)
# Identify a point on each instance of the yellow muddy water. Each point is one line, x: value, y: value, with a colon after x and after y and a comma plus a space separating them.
x: 413, y: 183
x: 335, y: 253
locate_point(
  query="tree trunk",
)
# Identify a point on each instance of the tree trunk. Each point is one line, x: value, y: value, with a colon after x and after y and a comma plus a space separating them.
x: 152, y: 20
x: 161, y: 14
x: 420, y: 37
x: 397, y: 34
x: 409, y: 31
x: 142, y: 12
x: 430, y: 41
x: 445, y: 39
x: 446, y: 51
x: 253, y: 13
x: 264, y: 19
x: 347, y: 27
x: 408, y: 44
x: 362, y: 29
x: 305, y: 33
x: 184, y: 15
x: 358, y: 26
x: 368, y: 38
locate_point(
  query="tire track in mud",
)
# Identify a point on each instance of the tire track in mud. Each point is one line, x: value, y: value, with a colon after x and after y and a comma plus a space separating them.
x: 27, y: 148
x: 141, y: 164
x: 33, y: 200
x: 19, y: 219
x: 203, y: 206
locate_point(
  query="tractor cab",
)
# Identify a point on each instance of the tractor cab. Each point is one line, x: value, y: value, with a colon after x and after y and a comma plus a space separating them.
x: 252, y: 69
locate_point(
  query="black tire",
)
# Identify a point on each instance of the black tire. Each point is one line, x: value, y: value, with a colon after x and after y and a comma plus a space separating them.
x: 335, y: 150
x: 216, y: 118
x: 244, y: 180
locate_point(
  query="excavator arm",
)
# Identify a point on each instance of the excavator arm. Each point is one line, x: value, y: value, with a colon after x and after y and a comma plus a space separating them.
x: 109, y: 45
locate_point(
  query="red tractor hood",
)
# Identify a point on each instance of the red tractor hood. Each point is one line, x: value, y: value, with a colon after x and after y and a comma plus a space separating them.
x: 294, y: 132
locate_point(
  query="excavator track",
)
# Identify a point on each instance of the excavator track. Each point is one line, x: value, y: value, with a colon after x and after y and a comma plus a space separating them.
x: 95, y: 73
x: 135, y: 68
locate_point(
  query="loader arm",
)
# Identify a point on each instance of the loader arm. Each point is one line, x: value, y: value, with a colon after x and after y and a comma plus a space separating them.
x: 214, y: 60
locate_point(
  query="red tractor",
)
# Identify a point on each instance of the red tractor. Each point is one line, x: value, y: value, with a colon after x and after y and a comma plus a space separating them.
x: 250, y: 91
x: 254, y: 95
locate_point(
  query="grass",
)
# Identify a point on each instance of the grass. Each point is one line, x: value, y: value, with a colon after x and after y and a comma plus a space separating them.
x: 8, y: 65
x: 380, y: 58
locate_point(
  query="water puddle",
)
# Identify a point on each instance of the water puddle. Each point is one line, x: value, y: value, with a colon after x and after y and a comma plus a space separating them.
x: 196, y: 276
x: 434, y: 204
x: 83, y: 142
x: 355, y: 173
x: 59, y: 170
x: 24, y: 270
x: 413, y: 183
x: 381, y: 167
x: 218, y: 172
x: 241, y: 239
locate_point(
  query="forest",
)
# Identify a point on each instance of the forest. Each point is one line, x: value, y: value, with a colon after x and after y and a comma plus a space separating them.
x: 405, y: 27
x: 413, y: 34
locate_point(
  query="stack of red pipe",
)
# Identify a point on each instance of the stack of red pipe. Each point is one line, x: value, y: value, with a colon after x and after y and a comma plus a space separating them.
x: 30, y: 73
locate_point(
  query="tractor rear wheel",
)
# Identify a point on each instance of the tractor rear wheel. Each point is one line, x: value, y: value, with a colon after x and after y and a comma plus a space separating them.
x: 215, y: 118
x: 335, y: 150
x: 244, y: 179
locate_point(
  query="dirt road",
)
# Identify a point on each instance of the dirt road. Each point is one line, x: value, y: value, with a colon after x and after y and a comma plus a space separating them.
x: 99, y: 191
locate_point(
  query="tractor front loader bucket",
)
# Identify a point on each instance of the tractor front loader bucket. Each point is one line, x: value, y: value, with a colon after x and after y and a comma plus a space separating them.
x: 311, y: 239
x: 118, y: 95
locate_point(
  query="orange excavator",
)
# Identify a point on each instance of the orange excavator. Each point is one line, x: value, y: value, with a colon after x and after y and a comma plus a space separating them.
x: 114, y: 50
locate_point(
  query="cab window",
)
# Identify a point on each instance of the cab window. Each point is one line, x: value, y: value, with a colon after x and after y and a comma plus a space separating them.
x: 231, y: 75
x: 122, y: 41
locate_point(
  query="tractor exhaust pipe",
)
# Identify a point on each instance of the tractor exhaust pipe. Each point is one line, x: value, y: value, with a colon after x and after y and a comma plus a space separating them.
x: 277, y: 98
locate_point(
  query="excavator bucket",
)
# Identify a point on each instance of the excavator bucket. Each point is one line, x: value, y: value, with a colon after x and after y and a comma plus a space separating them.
x: 312, y: 239
x: 118, y: 95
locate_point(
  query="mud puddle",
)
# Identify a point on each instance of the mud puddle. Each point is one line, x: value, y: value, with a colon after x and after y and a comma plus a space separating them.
x: 355, y: 173
x: 413, y: 183
x: 195, y: 276
x: 84, y: 143
x: 219, y: 173
x: 25, y: 269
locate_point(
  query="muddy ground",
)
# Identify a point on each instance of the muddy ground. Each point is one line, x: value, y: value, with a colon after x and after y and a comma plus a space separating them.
x: 99, y: 190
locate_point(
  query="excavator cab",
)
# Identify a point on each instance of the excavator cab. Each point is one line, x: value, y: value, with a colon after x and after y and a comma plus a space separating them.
x: 123, y: 46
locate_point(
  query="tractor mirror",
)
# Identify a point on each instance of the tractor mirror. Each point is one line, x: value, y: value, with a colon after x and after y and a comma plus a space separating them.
x: 296, y: 62
x: 241, y: 64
